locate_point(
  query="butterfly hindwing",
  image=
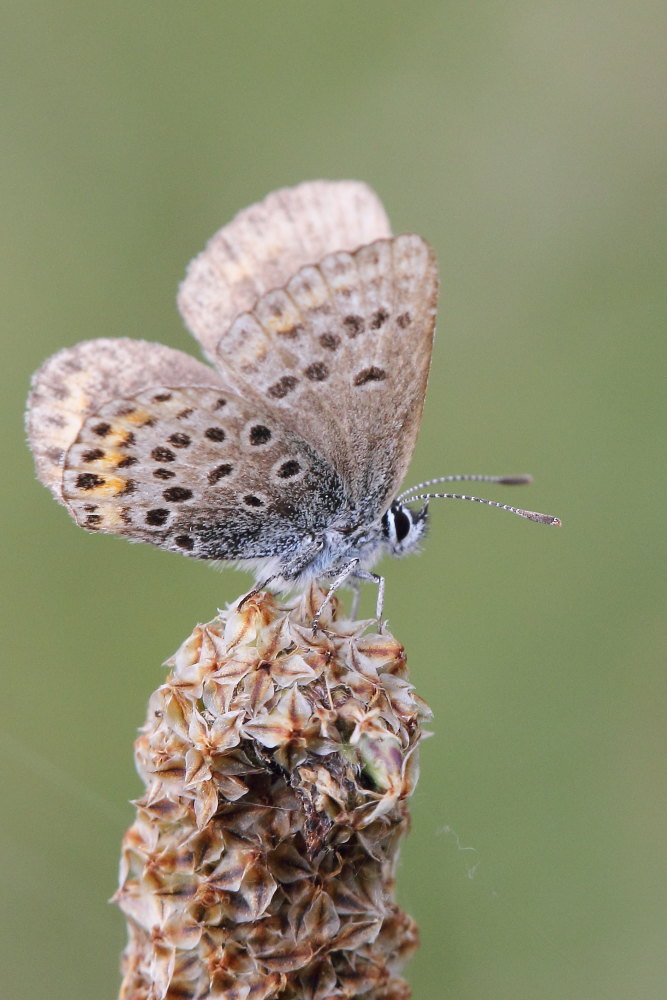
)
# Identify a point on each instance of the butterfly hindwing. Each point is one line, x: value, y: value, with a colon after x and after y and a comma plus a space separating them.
x: 74, y: 382
x: 341, y: 356
x: 267, y: 243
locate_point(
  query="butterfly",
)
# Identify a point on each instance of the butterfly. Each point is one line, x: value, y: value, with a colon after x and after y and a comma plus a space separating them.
x: 286, y: 456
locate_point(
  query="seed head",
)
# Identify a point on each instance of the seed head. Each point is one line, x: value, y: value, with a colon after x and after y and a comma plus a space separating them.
x: 277, y: 766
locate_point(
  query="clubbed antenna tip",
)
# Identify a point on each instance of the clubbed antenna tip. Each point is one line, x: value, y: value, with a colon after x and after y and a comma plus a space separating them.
x: 531, y: 515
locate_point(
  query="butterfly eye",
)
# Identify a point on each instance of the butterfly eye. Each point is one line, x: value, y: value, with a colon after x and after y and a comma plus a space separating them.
x: 397, y: 524
x: 402, y: 524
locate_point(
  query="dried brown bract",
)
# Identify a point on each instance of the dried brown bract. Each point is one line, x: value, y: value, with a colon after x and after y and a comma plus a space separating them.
x: 277, y: 766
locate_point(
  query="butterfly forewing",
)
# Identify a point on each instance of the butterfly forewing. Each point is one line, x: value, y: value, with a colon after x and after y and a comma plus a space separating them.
x: 197, y: 471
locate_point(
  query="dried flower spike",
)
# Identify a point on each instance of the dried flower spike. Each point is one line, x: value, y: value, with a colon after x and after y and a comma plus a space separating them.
x: 277, y: 767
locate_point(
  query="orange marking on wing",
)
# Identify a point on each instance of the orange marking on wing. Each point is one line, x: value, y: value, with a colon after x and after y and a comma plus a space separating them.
x: 139, y: 417
x: 111, y: 459
x: 116, y: 436
x: 112, y: 486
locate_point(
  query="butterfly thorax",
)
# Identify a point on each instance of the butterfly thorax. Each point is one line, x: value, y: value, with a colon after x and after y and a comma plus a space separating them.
x: 331, y: 552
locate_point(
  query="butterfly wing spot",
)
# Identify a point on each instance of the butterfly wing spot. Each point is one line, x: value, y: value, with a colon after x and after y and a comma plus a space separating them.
x: 157, y: 517
x: 220, y: 472
x: 317, y: 372
x: 404, y: 320
x: 372, y: 374
x: 215, y: 434
x: 330, y: 341
x: 185, y: 542
x: 282, y: 387
x: 103, y: 487
x: 289, y: 469
x: 184, y: 414
x: 89, y: 480
x: 118, y: 436
x: 161, y: 397
x: 177, y: 494
x: 259, y: 434
x: 161, y: 454
x: 250, y: 500
x: 180, y: 440
x: 163, y: 473
x: 105, y: 461
x: 379, y: 318
x: 354, y: 325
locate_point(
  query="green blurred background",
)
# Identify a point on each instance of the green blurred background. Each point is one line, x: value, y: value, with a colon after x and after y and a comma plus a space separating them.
x: 527, y: 142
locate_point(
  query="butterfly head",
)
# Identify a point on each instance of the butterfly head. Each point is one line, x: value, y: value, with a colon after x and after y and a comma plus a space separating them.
x: 403, y: 527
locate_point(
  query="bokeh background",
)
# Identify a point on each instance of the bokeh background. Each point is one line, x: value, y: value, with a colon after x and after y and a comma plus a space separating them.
x: 527, y: 142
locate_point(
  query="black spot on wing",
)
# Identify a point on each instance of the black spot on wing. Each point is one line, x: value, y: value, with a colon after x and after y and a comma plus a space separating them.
x: 157, y: 517
x: 177, y: 494
x: 89, y: 480
x: 259, y: 434
x: 330, y: 341
x: 317, y: 372
x: 379, y: 318
x: 372, y: 374
x: 282, y: 387
x: 179, y: 440
x: 220, y: 472
x: 289, y: 469
x: 215, y: 434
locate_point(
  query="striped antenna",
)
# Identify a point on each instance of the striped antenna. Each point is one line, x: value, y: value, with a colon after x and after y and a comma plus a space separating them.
x: 531, y: 515
x: 521, y: 480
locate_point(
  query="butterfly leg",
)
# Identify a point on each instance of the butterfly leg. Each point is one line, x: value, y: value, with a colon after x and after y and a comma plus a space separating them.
x: 356, y: 594
x: 338, y: 582
x: 362, y: 574
x: 255, y: 590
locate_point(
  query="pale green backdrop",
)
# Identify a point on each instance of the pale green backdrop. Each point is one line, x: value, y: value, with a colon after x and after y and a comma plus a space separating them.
x: 527, y: 142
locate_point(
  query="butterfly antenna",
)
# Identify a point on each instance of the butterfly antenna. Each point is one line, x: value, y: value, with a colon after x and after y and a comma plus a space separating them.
x: 522, y: 480
x: 531, y: 515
